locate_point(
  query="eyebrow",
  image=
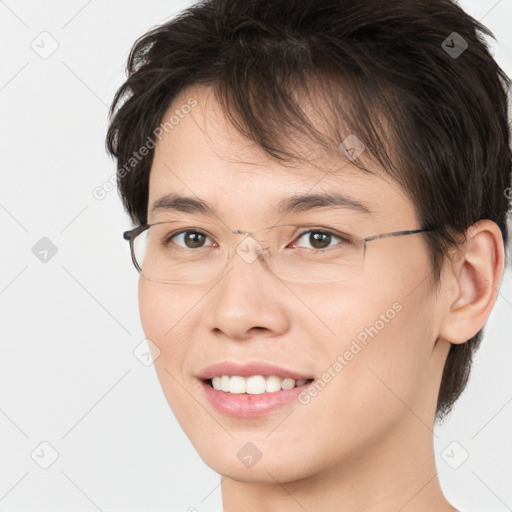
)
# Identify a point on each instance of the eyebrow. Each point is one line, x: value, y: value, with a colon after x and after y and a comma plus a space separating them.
x: 293, y: 204
x: 179, y: 203
x: 306, y: 202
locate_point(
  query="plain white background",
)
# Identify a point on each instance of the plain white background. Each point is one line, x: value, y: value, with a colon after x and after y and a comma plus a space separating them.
x: 74, y: 393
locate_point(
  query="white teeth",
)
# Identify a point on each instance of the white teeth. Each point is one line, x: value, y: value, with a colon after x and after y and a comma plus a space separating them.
x: 273, y: 384
x: 224, y: 383
x: 254, y: 385
x: 288, y: 384
x: 237, y: 384
x: 216, y: 383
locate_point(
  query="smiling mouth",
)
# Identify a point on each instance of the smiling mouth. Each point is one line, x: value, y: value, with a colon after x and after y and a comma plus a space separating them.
x: 254, y: 385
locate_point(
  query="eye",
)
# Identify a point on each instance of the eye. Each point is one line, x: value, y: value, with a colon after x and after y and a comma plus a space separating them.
x: 320, y: 239
x: 188, y: 239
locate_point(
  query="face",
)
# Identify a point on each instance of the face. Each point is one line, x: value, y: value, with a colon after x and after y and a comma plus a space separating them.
x: 368, y: 343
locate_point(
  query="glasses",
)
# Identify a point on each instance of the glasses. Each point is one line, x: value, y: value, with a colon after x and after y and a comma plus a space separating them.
x: 173, y: 252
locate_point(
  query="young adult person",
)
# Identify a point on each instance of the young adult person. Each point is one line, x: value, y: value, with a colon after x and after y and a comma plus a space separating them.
x: 319, y: 189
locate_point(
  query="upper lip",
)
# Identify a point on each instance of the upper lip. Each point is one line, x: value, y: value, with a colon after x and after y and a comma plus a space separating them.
x: 248, y: 369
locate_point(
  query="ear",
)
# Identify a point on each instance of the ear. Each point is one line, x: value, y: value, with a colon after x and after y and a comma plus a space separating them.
x: 471, y: 282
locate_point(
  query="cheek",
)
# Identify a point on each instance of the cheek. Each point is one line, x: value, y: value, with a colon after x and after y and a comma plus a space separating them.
x: 166, y: 312
x: 384, y: 337
x: 150, y: 309
x: 168, y: 321
x: 166, y: 318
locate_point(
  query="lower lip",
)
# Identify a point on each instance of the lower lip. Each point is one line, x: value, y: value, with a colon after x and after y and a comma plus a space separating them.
x: 242, y: 405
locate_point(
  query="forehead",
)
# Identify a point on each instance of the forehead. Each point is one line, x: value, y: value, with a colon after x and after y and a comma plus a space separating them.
x: 202, y: 155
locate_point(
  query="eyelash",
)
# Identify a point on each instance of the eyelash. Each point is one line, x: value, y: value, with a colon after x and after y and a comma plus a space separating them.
x: 325, y: 232
x: 339, y: 236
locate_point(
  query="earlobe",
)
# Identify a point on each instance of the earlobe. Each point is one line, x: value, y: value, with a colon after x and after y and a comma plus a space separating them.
x: 472, y: 283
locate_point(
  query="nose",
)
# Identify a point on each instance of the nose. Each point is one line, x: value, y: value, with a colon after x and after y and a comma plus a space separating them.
x: 249, y: 298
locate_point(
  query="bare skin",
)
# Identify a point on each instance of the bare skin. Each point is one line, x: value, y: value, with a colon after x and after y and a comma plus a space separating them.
x: 365, y: 442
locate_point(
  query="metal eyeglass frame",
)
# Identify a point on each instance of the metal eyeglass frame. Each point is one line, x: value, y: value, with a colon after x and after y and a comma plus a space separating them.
x: 133, y: 233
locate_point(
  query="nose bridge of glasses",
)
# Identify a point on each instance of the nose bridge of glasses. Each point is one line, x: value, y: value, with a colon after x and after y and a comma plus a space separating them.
x: 249, y: 248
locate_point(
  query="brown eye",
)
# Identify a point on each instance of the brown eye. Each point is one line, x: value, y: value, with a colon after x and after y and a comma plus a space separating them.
x: 318, y: 239
x: 189, y: 239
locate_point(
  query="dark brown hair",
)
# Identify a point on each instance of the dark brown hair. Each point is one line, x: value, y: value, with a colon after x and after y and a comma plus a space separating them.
x: 420, y: 67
